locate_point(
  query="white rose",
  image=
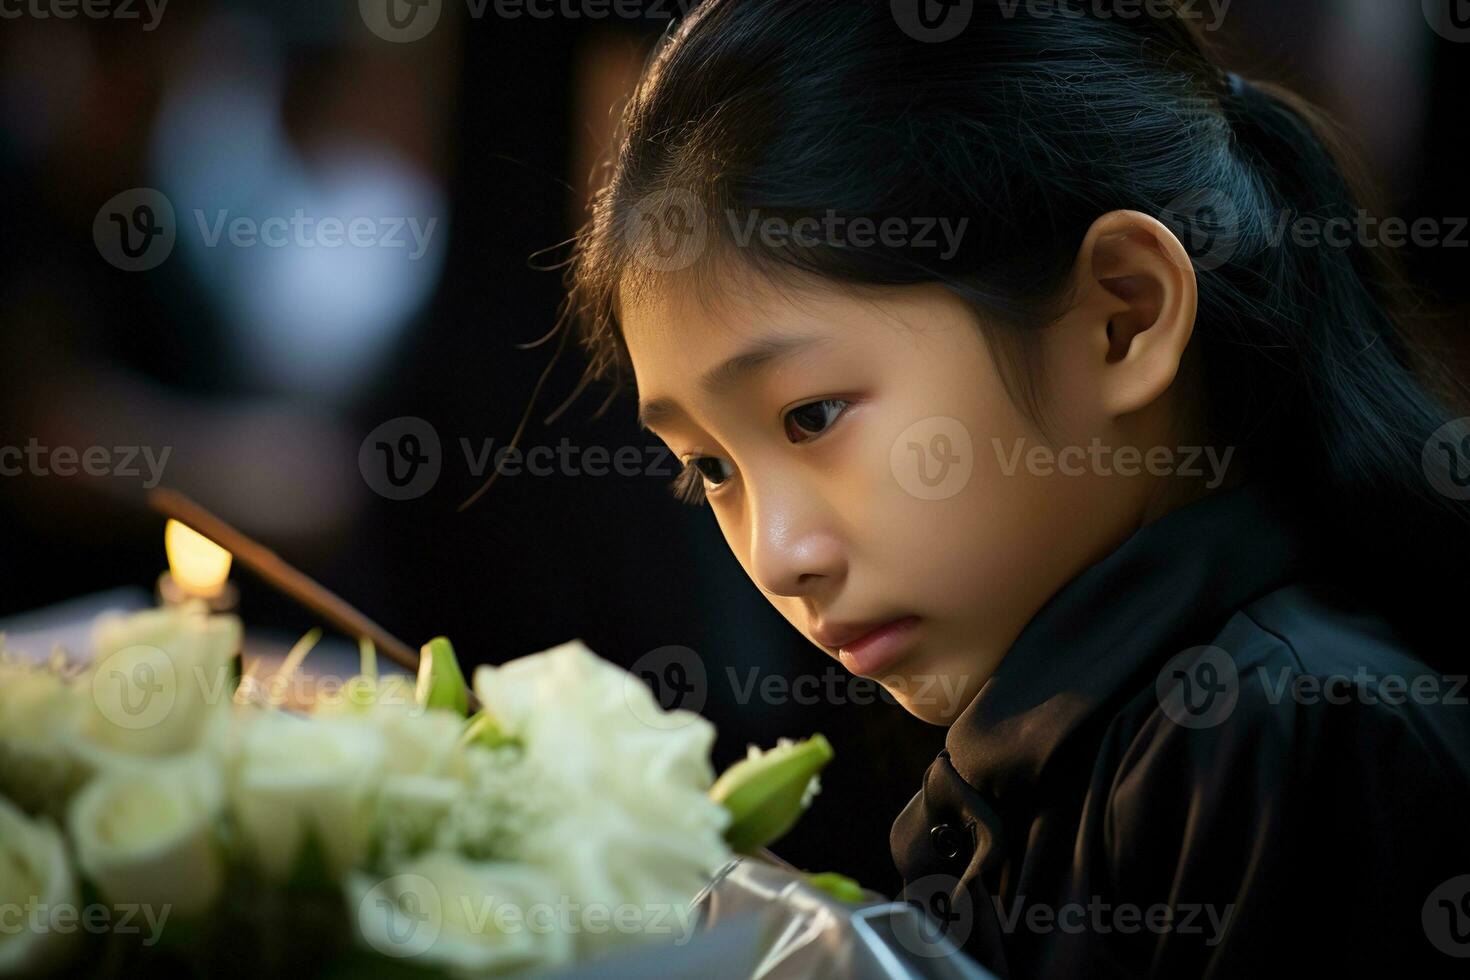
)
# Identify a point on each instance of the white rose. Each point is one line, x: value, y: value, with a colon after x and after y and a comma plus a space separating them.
x: 161, y: 684
x: 470, y: 917
x: 37, y: 710
x: 631, y: 881
x: 570, y: 697
x: 425, y: 773
x: 296, y: 777
x: 151, y: 837
x: 502, y: 799
x: 425, y: 743
x: 424, y: 766
x: 409, y: 810
x: 34, y: 872
x: 634, y: 828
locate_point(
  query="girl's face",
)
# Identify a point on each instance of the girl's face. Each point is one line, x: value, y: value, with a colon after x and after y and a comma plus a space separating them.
x: 867, y: 467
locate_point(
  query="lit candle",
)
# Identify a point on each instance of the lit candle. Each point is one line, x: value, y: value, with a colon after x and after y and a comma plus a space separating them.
x: 198, y: 569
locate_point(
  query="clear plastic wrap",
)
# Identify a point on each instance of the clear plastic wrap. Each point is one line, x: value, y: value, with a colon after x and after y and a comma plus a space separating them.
x: 761, y: 920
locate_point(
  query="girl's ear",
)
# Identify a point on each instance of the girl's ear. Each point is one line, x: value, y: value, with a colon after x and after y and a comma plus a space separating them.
x: 1139, y: 298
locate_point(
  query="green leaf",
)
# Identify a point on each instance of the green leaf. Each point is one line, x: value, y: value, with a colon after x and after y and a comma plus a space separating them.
x: 839, y: 886
x: 764, y: 795
x: 482, y: 729
x: 441, y: 683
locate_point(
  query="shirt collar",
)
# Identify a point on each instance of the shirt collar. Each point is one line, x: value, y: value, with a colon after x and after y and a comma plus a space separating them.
x: 1106, y: 633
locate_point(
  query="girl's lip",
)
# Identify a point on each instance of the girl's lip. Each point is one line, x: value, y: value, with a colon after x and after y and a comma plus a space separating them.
x: 879, y: 648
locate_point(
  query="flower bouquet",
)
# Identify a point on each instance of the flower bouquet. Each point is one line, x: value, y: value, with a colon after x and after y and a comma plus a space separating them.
x: 161, y: 811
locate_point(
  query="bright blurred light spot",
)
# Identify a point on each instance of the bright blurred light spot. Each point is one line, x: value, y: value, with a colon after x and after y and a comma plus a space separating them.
x: 317, y: 265
x: 199, y: 566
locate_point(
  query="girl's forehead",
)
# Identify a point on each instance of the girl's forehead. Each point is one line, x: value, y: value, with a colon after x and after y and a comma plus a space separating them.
x: 699, y: 319
x: 726, y: 305
x: 677, y: 336
x: 672, y: 335
x: 733, y: 301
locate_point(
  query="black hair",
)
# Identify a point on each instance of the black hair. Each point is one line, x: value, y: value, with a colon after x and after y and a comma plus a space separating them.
x: 1032, y: 127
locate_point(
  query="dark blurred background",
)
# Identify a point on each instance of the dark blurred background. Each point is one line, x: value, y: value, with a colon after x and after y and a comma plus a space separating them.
x: 262, y: 370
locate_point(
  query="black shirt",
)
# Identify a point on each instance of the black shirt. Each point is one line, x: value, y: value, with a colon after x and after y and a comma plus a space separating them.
x: 1201, y: 760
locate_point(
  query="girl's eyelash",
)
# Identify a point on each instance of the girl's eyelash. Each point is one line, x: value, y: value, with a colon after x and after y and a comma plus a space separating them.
x: 688, y: 486
x: 841, y: 405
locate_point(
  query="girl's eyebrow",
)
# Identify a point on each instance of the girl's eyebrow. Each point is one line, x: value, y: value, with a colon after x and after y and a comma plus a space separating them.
x: 758, y: 356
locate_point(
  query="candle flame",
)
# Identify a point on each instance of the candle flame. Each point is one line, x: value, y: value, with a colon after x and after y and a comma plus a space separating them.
x: 198, y: 565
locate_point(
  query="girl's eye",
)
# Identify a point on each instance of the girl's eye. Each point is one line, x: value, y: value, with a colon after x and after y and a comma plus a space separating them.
x: 812, y: 419
x: 714, y: 469
x: 803, y: 423
x: 699, y: 474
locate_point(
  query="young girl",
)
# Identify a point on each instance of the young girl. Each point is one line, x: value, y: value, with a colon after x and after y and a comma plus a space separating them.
x: 990, y: 335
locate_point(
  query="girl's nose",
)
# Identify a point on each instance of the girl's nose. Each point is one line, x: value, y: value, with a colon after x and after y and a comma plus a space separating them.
x: 795, y: 549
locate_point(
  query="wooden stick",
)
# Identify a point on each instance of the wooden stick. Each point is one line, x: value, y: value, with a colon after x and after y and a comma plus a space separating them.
x: 269, y: 566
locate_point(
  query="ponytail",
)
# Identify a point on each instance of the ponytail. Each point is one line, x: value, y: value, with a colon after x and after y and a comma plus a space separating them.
x: 1350, y: 431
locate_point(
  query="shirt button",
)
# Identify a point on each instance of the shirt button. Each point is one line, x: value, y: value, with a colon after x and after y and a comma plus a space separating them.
x: 948, y: 840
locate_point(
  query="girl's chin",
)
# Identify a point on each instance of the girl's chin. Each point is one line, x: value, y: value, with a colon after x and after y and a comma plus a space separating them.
x: 929, y: 692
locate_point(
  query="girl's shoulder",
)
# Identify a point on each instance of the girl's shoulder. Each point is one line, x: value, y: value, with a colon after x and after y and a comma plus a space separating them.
x: 1303, y: 686
x: 1306, y: 769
